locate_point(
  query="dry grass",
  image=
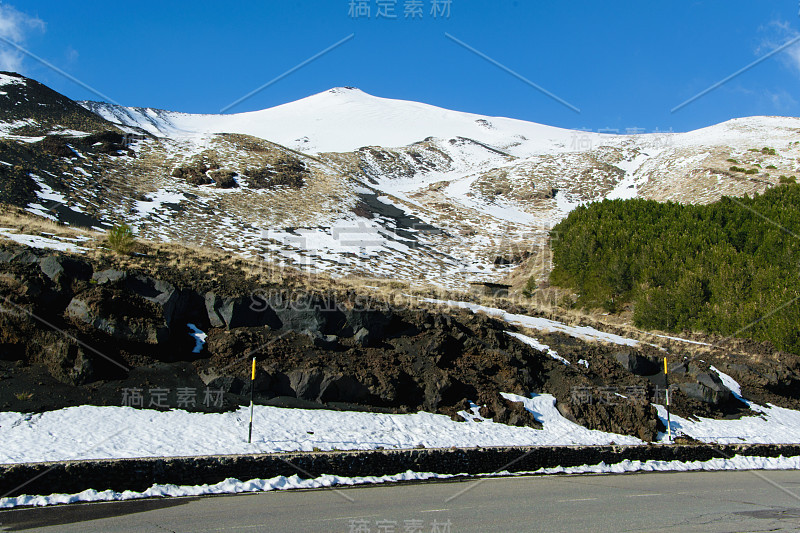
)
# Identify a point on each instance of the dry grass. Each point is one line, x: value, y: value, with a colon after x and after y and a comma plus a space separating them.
x: 24, y: 222
x: 218, y: 267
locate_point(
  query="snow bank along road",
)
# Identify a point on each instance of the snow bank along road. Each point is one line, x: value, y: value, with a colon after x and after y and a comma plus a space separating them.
x: 708, y: 502
x: 131, y: 479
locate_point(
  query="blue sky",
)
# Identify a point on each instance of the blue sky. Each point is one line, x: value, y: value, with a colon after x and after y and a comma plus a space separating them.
x: 625, y: 65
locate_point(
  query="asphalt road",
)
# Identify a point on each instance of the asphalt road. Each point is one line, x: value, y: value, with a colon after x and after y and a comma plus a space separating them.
x: 708, y: 502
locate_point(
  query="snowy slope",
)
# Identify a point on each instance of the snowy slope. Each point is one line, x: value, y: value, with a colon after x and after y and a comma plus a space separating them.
x: 344, y: 119
x: 124, y: 432
x: 486, y: 187
x: 472, y: 152
x: 120, y: 432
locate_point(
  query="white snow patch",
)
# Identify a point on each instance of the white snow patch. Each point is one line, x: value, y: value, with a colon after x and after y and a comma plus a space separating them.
x: 474, y: 414
x: 564, y: 204
x: 61, y: 435
x: 5, y: 79
x: 768, y: 425
x: 46, y: 192
x: 737, y: 462
x: 541, y: 324
x: 731, y: 384
x: 234, y: 486
x: 37, y: 241
x: 530, y: 341
x: 83, y: 171
x: 7, y: 127
x: 199, y: 338
x: 627, y: 188
x: 229, y: 486
x: 42, y: 211
x: 157, y: 200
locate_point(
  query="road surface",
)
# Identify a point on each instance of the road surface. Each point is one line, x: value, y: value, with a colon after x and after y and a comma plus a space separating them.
x: 696, y: 501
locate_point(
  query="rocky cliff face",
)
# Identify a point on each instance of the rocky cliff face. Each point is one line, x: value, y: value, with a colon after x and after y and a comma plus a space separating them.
x: 75, y: 330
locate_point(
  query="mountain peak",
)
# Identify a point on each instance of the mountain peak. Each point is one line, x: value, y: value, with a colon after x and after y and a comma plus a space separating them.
x: 345, y: 90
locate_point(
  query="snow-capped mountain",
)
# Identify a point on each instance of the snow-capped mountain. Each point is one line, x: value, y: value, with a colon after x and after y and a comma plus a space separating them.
x: 345, y: 119
x: 351, y: 183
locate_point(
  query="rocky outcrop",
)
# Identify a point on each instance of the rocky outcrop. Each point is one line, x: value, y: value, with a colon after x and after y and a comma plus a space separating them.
x: 224, y: 179
x: 694, y: 381
x: 127, y: 317
x: 633, y: 418
x: 698, y: 383
x: 323, y: 349
x: 67, y: 361
x: 60, y: 270
x: 317, y: 315
x: 286, y: 172
x: 239, y: 312
x: 708, y: 388
x: 415, y: 360
x: 109, y: 276
x: 636, y: 363
x: 155, y: 291
x: 107, y: 142
x: 195, y: 173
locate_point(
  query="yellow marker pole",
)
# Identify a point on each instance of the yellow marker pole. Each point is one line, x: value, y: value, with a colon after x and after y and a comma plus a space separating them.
x: 252, y: 388
x: 666, y: 384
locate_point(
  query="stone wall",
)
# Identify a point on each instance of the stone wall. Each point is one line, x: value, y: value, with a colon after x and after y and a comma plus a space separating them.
x: 139, y: 474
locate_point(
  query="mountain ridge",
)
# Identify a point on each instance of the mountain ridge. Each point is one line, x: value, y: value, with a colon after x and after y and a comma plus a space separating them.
x: 359, y: 100
x: 330, y: 182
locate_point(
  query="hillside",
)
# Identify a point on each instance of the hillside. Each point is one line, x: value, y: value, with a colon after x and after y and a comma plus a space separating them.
x: 351, y: 184
x: 30, y: 109
x: 352, y: 262
x: 176, y: 317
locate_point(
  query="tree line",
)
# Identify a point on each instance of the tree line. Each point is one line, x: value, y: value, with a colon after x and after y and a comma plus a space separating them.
x: 729, y: 267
